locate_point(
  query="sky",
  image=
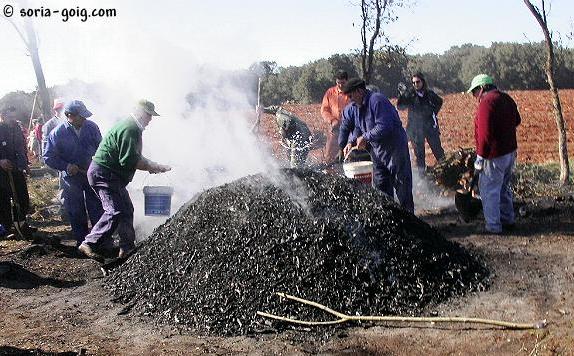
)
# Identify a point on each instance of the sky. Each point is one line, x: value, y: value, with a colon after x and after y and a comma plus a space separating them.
x: 233, y: 34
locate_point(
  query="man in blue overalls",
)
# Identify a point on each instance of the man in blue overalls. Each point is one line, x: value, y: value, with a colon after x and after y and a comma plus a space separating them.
x: 69, y: 149
x: 376, y: 126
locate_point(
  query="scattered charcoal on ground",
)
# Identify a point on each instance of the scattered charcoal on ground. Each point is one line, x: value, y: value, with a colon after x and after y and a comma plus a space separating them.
x: 329, y: 239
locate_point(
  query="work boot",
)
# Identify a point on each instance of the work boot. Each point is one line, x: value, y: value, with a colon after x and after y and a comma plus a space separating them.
x: 89, y: 252
x: 508, y: 228
x: 125, y: 252
x: 484, y: 231
x: 28, y: 231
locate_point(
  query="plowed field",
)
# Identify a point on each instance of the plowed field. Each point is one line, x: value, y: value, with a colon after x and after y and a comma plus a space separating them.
x: 537, y: 135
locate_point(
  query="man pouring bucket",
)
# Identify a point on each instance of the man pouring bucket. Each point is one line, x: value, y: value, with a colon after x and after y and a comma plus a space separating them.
x: 112, y: 169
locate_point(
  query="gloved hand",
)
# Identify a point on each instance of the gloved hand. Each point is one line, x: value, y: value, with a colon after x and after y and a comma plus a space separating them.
x: 335, y: 127
x: 402, y: 88
x: 72, y: 169
x: 6, y: 164
x: 346, y: 150
x: 340, y: 156
x: 361, y: 143
x: 159, y: 168
x: 478, y: 164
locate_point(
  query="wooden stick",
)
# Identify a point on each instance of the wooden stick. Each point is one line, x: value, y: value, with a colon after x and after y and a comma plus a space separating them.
x: 345, y: 318
x: 16, y: 206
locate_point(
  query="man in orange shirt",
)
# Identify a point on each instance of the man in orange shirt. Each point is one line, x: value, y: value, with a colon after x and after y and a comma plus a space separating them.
x: 332, y: 107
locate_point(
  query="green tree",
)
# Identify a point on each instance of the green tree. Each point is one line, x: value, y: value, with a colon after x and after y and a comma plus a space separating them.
x: 343, y: 62
x: 277, y: 88
x: 23, y: 102
x: 388, y: 68
x: 375, y: 14
x: 310, y: 87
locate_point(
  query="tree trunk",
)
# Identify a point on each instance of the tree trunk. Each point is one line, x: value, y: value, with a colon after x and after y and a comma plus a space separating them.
x: 368, y: 52
x: 364, y: 19
x: 560, y: 123
x: 556, y: 106
x: 32, y: 45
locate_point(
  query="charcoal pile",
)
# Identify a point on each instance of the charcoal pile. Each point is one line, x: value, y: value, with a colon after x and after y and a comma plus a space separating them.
x: 329, y: 239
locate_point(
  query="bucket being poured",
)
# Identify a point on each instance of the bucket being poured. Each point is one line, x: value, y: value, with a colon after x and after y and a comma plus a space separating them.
x: 362, y: 171
x: 157, y: 200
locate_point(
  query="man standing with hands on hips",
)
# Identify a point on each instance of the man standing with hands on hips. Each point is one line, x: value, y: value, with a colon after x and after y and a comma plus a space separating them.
x: 113, y: 167
x: 495, y: 125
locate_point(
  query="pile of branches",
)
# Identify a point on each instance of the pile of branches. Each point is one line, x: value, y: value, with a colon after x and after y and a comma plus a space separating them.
x: 455, y: 170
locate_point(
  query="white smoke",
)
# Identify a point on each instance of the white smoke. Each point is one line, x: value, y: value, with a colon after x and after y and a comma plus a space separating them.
x: 206, y: 145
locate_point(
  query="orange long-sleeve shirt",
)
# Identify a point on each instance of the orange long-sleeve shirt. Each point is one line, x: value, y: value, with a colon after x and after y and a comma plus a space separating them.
x: 333, y: 104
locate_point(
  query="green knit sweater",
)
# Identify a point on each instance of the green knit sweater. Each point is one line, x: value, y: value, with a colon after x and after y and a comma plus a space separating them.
x: 121, y: 148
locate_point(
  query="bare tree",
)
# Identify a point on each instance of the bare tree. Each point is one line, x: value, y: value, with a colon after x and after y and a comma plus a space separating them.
x: 374, y: 14
x: 540, y: 15
x: 30, y: 39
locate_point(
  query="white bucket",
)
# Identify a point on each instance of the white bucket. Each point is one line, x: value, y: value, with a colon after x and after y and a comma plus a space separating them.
x: 362, y: 171
x: 157, y: 200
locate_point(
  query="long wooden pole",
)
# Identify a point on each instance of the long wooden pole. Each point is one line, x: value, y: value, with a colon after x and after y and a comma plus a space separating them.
x: 32, y: 112
x: 342, y: 318
x: 257, y: 108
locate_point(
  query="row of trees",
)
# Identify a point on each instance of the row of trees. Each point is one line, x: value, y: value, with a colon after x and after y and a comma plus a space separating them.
x: 513, y: 65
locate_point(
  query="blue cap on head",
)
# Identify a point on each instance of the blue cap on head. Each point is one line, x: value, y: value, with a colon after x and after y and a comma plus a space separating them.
x: 77, y: 107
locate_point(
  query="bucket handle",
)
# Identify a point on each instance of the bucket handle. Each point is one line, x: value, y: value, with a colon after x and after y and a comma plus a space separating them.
x: 166, y: 177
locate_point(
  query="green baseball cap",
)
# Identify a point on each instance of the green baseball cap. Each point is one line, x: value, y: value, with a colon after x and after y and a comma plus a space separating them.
x: 480, y: 80
x: 148, y: 107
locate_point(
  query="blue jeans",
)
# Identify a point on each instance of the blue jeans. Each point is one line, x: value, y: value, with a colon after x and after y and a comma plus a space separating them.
x: 494, y: 184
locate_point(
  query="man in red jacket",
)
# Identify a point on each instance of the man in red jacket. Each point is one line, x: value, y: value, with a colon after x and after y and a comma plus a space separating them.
x: 495, y: 125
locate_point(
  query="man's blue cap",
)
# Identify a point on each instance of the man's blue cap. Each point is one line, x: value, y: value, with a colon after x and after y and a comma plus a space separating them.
x: 77, y: 107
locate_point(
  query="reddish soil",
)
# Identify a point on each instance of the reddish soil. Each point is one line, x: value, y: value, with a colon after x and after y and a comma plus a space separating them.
x: 51, y: 301
x: 537, y: 135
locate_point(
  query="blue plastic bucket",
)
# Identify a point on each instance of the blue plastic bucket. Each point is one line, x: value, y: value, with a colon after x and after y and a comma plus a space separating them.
x: 157, y: 200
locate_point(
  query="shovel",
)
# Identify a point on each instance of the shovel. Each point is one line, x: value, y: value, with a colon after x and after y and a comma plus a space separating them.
x: 467, y: 205
x: 112, y: 263
x: 15, y: 208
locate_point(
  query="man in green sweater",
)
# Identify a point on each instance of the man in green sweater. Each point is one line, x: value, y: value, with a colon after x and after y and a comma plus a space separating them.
x: 112, y: 168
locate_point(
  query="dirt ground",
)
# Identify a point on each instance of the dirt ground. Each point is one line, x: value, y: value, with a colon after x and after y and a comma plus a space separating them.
x: 52, y: 301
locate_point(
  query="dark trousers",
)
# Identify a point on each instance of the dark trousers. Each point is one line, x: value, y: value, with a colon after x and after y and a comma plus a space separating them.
x: 432, y: 136
x: 81, y: 203
x: 118, y: 209
x: 7, y: 212
x: 332, y: 145
x: 393, y: 174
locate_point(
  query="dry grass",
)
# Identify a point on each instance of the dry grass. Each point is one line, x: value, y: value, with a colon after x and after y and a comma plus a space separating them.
x: 42, y: 191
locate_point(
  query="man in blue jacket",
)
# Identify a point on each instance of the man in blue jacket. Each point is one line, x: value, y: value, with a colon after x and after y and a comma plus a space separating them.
x: 69, y: 149
x: 376, y: 126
